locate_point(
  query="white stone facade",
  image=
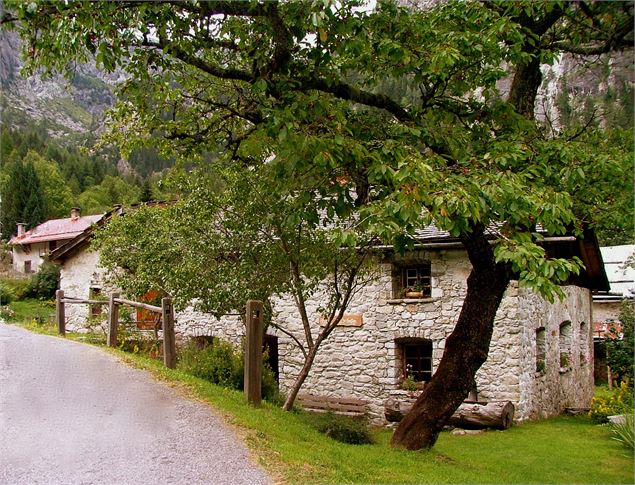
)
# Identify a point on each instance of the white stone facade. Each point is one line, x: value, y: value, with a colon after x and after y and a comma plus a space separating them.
x: 365, y: 361
x: 80, y: 277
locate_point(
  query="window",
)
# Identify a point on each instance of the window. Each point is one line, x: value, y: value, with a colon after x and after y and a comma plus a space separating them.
x: 27, y: 267
x: 564, y: 344
x: 415, y: 356
x: 52, y: 245
x: 413, y: 281
x: 541, y: 350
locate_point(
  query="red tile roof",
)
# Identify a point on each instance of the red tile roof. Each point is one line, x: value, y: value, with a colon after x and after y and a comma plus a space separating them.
x: 56, y: 230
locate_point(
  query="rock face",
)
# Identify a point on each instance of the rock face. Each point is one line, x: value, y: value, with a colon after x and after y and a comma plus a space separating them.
x: 540, y: 358
x: 61, y: 106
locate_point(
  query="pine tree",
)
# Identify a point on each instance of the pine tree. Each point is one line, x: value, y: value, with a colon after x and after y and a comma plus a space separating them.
x: 22, y: 198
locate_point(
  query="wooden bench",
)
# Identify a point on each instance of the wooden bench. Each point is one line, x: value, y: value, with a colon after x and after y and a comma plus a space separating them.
x: 346, y: 406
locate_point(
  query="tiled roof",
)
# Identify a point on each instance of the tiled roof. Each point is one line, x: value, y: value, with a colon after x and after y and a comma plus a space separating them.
x: 56, y: 230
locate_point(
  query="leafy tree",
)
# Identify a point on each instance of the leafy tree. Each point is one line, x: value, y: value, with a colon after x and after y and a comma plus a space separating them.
x: 297, y: 86
x: 111, y: 191
x: 238, y: 236
x: 620, y: 345
x: 57, y: 196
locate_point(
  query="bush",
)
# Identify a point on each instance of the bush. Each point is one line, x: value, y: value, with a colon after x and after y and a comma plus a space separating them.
x: 344, y: 429
x: 6, y: 295
x: 619, y: 402
x: 15, y: 288
x: 625, y: 432
x: 619, y: 345
x: 45, y: 282
x: 221, y: 363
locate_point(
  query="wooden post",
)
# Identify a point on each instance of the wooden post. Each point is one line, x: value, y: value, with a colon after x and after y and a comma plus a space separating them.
x: 253, y: 352
x: 169, y: 344
x: 60, y: 313
x: 113, y: 320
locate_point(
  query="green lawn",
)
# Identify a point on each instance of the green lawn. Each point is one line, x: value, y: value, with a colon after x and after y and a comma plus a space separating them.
x: 559, y: 450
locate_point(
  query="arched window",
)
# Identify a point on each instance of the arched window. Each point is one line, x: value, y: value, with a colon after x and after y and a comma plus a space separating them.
x: 541, y: 350
x: 564, y: 344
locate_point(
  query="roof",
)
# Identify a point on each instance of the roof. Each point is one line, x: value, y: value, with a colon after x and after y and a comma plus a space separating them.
x: 585, y: 248
x: 620, y: 276
x: 56, y: 230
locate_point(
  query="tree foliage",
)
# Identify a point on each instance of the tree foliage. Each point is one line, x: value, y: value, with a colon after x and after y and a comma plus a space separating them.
x: 236, y: 236
x: 620, y: 345
x: 301, y: 88
x: 22, y: 198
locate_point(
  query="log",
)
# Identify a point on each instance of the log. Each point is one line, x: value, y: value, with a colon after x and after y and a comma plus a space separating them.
x: 469, y: 415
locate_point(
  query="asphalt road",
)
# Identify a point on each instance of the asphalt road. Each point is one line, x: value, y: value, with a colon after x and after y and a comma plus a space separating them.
x: 71, y: 413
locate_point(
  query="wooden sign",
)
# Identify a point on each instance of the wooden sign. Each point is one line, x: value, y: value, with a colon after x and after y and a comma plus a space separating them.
x: 348, y: 320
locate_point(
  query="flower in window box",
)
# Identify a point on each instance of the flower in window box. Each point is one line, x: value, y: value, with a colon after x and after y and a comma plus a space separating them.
x: 415, y: 291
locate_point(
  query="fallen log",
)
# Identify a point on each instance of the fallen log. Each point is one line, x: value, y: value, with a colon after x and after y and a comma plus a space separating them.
x: 469, y: 415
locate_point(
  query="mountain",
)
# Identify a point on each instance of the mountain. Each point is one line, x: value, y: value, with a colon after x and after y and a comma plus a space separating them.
x: 58, y: 105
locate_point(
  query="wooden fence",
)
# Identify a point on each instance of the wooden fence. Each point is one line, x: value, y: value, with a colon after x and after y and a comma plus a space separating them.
x: 166, y: 310
x: 253, y: 337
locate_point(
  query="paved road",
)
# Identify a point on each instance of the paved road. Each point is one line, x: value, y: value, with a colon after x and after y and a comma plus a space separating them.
x: 71, y: 413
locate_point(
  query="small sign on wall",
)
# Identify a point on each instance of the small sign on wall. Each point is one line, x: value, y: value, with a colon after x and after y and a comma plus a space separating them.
x: 348, y: 320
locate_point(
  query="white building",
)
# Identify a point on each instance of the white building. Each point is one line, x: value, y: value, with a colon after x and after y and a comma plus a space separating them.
x: 29, y: 248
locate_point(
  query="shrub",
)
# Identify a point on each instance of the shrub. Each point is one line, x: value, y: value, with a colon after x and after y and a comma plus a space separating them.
x: 15, y: 288
x: 619, y: 402
x: 6, y: 295
x: 44, y: 283
x: 625, y: 432
x: 619, y: 345
x: 344, y: 429
x: 221, y: 363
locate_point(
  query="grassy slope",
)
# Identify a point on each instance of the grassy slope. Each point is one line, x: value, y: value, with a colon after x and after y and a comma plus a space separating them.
x: 559, y: 450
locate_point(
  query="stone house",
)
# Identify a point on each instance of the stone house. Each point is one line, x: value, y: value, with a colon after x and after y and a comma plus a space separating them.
x: 30, y: 248
x: 541, y: 356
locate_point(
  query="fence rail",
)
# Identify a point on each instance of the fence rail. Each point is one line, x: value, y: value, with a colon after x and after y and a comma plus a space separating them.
x: 166, y: 309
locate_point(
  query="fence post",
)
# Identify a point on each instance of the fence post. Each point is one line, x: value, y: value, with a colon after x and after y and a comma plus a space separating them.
x: 60, y: 313
x: 113, y: 320
x: 253, y: 352
x: 169, y: 344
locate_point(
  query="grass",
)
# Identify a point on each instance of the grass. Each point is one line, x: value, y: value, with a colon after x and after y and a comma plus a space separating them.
x: 287, y: 445
x: 35, y: 315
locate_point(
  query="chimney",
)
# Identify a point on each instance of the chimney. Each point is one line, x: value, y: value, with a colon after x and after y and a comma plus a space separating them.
x: 75, y: 214
x: 21, y: 228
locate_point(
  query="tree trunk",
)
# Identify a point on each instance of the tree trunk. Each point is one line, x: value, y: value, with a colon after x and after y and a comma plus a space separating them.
x: 304, y: 373
x: 524, y: 89
x: 466, y: 348
x: 495, y: 414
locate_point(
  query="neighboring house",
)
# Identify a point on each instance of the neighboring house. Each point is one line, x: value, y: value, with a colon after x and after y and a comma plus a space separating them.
x: 29, y: 248
x: 541, y: 356
x: 606, y: 305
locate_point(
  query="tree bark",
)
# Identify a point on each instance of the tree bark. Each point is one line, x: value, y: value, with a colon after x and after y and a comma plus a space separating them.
x: 304, y: 373
x: 466, y: 348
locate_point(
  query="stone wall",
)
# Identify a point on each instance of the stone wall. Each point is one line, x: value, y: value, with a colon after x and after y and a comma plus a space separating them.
x: 566, y: 378
x: 364, y: 361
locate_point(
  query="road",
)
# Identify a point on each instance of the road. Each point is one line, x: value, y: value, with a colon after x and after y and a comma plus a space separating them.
x: 71, y: 413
